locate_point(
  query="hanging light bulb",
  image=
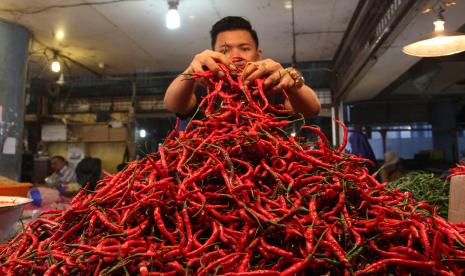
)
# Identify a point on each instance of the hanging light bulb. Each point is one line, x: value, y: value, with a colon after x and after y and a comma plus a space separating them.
x: 56, y: 66
x: 173, y: 20
x: 59, y: 35
x: 438, y: 43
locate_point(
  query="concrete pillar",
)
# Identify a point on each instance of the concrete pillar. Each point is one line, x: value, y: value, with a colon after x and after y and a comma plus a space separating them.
x: 443, y: 123
x: 337, y: 113
x: 14, y: 44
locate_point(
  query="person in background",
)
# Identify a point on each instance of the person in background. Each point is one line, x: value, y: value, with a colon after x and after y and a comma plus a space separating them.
x: 62, y: 174
x: 88, y: 171
x: 361, y: 147
x: 233, y: 36
x: 392, y: 168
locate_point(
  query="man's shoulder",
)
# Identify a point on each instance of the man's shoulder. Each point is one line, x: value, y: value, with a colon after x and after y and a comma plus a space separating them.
x: 66, y: 169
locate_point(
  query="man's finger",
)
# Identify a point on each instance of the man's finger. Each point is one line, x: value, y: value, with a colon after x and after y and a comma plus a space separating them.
x: 260, y: 70
x: 249, y: 68
x: 196, y: 67
x: 274, y: 78
x: 264, y: 69
x: 220, y: 57
x: 213, y: 66
x: 286, y: 83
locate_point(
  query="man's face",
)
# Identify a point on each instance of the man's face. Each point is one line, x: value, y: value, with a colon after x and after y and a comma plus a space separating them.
x: 57, y: 164
x: 237, y: 43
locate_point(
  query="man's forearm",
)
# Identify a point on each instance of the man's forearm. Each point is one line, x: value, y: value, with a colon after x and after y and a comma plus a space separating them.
x: 305, y: 101
x: 180, y: 96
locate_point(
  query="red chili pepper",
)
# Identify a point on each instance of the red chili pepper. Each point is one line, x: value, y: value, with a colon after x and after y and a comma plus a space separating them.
x: 378, y: 266
x: 275, y: 250
x: 225, y: 262
x: 161, y: 225
x: 208, y: 243
x: 336, y: 248
x: 254, y: 273
x: 412, y: 253
x: 338, y: 207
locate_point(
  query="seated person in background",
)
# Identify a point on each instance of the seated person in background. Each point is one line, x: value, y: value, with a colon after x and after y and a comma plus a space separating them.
x: 361, y: 147
x: 392, y: 168
x: 88, y: 171
x: 62, y: 174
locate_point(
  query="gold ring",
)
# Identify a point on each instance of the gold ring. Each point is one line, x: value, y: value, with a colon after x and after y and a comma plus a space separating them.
x: 296, y: 76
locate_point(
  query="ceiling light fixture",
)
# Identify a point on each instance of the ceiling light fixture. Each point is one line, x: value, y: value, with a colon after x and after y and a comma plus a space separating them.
x: 59, y: 35
x: 173, y: 20
x: 288, y: 5
x: 438, y: 43
x: 56, y: 66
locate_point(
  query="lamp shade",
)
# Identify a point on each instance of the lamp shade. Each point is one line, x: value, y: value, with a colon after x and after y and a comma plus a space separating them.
x: 61, y: 80
x: 436, y: 44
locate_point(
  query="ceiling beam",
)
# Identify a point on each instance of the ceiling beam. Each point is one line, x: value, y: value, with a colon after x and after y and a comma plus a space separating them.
x: 373, y: 25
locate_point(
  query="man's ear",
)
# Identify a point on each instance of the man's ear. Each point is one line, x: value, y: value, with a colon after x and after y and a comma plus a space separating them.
x: 259, y: 53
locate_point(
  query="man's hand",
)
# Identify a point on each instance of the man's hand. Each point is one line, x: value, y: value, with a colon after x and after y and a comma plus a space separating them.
x: 301, y: 98
x: 276, y: 77
x: 208, y: 60
x: 180, y: 96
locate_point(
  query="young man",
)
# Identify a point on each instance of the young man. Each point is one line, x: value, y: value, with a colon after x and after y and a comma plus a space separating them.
x: 234, y: 37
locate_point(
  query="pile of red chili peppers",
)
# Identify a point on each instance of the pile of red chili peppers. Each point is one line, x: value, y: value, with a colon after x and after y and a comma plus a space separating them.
x: 233, y: 194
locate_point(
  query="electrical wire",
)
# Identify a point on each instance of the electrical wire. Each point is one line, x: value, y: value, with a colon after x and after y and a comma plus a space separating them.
x: 294, y: 58
x: 46, y: 8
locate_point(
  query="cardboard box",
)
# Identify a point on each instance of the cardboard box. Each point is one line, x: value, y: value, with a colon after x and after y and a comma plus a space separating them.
x: 90, y: 132
x: 457, y: 199
x: 118, y: 134
x: 53, y: 133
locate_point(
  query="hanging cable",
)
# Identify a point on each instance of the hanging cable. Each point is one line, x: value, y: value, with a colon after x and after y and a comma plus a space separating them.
x: 294, y: 59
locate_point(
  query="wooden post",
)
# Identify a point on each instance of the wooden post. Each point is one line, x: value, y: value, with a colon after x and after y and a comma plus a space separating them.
x: 132, y: 123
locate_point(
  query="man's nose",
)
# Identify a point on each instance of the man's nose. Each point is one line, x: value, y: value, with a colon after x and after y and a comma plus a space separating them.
x: 234, y: 52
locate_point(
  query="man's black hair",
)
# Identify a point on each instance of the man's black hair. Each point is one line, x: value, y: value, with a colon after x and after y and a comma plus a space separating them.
x: 59, y: 157
x: 230, y: 23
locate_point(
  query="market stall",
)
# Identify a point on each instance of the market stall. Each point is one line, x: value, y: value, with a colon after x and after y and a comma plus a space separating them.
x: 128, y: 148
